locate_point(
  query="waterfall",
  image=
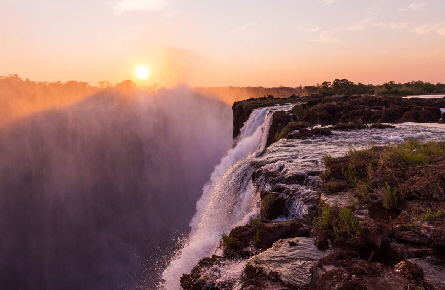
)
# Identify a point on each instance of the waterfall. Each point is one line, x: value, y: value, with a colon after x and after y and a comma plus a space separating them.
x: 229, y: 198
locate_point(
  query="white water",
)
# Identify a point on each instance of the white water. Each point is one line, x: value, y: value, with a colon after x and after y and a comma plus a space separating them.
x: 228, y: 199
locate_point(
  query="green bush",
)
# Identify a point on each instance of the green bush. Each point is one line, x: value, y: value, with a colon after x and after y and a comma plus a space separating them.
x: 389, y: 197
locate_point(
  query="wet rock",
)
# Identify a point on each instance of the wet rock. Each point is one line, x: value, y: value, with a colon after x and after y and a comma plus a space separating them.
x: 273, y: 205
x: 285, y: 194
x: 381, y: 126
x: 248, y: 240
x: 342, y: 199
x: 288, y: 261
x: 198, y: 279
x: 433, y: 270
x: 413, y: 237
x: 422, y: 225
x: 307, y: 133
x: 401, y: 251
x: 243, y: 109
x: 279, y: 121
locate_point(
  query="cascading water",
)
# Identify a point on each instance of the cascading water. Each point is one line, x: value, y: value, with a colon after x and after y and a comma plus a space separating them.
x: 93, y: 194
x: 228, y: 199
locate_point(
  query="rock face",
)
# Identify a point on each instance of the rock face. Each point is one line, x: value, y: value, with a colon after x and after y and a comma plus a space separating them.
x: 288, y: 263
x: 243, y: 109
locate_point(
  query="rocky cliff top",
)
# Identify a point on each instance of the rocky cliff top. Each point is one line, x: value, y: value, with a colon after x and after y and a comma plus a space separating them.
x: 375, y: 219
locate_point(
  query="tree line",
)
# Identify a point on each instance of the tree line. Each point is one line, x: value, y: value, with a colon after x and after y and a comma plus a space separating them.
x: 346, y: 87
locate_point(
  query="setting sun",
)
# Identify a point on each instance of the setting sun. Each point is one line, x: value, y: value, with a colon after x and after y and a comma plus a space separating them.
x: 142, y: 72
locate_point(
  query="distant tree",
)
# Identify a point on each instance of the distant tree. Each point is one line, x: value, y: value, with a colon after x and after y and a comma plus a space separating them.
x: 104, y: 84
x: 325, y: 89
x: 342, y: 86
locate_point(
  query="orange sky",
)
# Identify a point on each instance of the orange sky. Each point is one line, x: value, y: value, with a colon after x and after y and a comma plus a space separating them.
x: 221, y: 43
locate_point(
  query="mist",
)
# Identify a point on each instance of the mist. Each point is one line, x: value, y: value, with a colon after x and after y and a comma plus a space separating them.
x: 94, y: 195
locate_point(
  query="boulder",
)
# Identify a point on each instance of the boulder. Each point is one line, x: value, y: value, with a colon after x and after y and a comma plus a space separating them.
x: 288, y: 261
x: 248, y: 240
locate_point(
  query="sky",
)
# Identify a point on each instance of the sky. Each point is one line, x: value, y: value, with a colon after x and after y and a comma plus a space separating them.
x: 224, y: 42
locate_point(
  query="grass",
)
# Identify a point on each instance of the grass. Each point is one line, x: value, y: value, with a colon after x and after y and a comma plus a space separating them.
x: 341, y: 221
x: 432, y: 214
x: 363, y: 189
x: 351, y: 174
x: 228, y: 242
x: 376, y: 173
x: 389, y: 197
x: 412, y: 153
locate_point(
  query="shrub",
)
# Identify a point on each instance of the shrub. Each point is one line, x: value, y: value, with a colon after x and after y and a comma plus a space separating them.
x: 432, y: 214
x: 228, y: 242
x: 389, y: 196
x: 341, y: 221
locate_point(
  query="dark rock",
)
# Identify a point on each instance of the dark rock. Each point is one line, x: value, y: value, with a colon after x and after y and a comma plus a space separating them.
x: 421, y: 114
x: 433, y: 270
x: 376, y: 233
x: 321, y: 238
x: 400, y: 251
x: 306, y: 133
x: 247, y: 240
x: 381, y: 126
x: 343, y: 270
x: 279, y: 121
x: 273, y: 205
x: 412, y: 237
x: 195, y: 280
x: 422, y: 225
x: 390, y: 115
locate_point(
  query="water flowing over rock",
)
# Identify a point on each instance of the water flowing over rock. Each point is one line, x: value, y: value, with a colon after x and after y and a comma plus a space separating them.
x: 228, y: 200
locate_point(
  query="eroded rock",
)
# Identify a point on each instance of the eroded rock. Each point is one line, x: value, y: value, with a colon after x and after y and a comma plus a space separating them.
x: 289, y: 260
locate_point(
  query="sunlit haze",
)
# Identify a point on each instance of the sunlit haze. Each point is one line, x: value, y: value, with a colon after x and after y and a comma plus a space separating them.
x: 222, y: 43
x: 142, y: 72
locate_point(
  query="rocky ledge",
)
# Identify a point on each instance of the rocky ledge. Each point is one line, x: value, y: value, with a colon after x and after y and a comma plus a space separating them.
x: 373, y: 219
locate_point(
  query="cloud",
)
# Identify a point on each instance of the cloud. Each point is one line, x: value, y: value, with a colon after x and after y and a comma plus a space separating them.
x: 358, y: 26
x: 243, y: 28
x: 415, y: 6
x: 438, y: 28
x: 329, y: 2
x: 326, y: 37
x: 121, y: 6
x: 308, y: 29
x: 392, y: 25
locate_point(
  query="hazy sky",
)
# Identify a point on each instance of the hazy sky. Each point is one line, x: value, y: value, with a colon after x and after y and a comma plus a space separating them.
x: 224, y: 42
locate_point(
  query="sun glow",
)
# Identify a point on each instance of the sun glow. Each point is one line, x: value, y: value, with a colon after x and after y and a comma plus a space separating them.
x: 142, y: 72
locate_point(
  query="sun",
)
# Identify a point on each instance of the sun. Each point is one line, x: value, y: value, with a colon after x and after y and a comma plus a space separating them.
x: 142, y: 72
